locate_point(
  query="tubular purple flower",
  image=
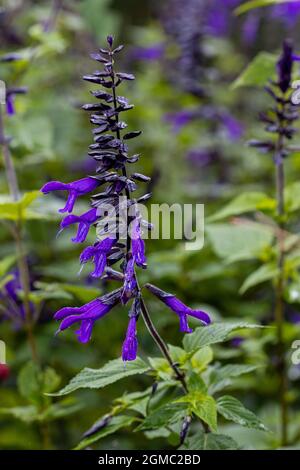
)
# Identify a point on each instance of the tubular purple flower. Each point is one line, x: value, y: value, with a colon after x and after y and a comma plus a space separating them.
x: 87, y: 314
x: 85, y: 221
x: 75, y: 189
x: 130, y: 345
x: 138, y: 244
x: 98, y: 253
x: 182, y: 310
x: 130, y: 284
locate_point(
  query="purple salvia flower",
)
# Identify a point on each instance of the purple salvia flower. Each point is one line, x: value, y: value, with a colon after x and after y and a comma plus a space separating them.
x: 182, y: 310
x: 130, y: 284
x: 130, y: 345
x: 138, y: 244
x: 87, y: 314
x: 98, y: 253
x: 84, y: 222
x: 75, y: 189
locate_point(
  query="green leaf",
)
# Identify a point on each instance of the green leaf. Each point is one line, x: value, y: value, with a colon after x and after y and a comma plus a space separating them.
x: 262, y: 274
x: 16, y: 210
x: 161, y: 366
x: 164, y: 416
x: 196, y: 383
x: 215, y: 333
x: 245, y: 202
x: 108, y: 374
x: 206, y: 409
x: 239, y: 242
x: 28, y: 414
x: 210, y: 441
x: 116, y: 423
x: 29, y: 383
x: 221, y: 377
x: 252, y: 4
x: 258, y: 72
x: 202, y: 405
x: 6, y: 263
x: 202, y: 358
x: 292, y: 197
x: 233, y: 410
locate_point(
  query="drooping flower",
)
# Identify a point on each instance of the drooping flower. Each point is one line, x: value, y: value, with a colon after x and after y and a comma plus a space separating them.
x: 84, y: 222
x: 138, y: 244
x: 75, y: 189
x: 182, y: 310
x: 130, y: 285
x: 87, y: 314
x: 130, y: 344
x: 98, y: 253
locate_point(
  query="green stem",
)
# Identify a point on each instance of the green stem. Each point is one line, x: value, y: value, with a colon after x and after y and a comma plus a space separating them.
x: 279, y: 291
x: 17, y: 232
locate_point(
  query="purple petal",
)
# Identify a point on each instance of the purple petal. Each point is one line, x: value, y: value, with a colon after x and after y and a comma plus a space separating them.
x: 54, y: 186
x: 84, y: 333
x: 130, y: 345
x: 70, y: 202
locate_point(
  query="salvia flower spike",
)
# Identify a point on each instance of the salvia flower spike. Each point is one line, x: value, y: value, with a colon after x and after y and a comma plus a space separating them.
x: 279, y: 118
x: 111, y: 151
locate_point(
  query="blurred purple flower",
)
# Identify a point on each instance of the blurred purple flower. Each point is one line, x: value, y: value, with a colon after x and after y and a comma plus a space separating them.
x: 181, y: 118
x: 232, y: 126
x: 148, y: 54
x: 288, y: 12
x: 200, y: 157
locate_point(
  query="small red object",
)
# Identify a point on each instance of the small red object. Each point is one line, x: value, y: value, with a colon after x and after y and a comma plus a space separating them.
x: 4, y: 372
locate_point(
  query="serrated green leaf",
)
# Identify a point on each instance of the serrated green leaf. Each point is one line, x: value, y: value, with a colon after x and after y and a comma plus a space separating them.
x: 258, y: 72
x: 206, y: 409
x: 221, y: 377
x: 262, y: 274
x: 210, y: 441
x: 165, y: 415
x: 215, y: 333
x: 233, y: 410
x: 98, y: 378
